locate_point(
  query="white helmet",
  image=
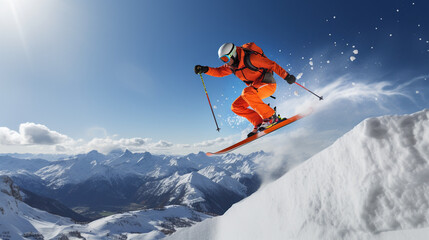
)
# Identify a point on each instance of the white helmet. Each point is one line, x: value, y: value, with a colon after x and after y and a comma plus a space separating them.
x: 227, y: 51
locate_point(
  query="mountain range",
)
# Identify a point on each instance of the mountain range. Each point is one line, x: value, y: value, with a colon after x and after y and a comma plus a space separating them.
x: 21, y: 221
x: 95, y: 185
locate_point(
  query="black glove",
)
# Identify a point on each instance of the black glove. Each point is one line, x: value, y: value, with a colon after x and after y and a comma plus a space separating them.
x: 198, y: 69
x: 290, y: 78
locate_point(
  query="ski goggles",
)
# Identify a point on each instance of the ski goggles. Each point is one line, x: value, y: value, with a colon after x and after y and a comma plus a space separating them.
x: 226, y: 58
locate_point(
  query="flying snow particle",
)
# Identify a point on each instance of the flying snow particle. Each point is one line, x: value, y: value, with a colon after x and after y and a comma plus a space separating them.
x: 417, y: 92
x: 296, y: 93
x: 328, y: 61
x: 353, y: 46
x: 311, y: 63
x: 376, y: 28
x: 390, y: 35
x: 280, y: 50
x: 397, y: 10
x: 334, y: 17
x: 352, y: 58
x: 420, y: 39
x: 355, y: 51
x: 299, y: 76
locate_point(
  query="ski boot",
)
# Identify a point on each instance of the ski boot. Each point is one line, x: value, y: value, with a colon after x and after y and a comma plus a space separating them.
x: 254, y: 131
x: 271, y: 121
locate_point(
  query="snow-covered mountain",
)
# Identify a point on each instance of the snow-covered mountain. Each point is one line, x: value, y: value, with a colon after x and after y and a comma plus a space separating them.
x: 372, y: 183
x: 92, y: 183
x: 192, y: 189
x: 17, y: 219
x: 20, y: 221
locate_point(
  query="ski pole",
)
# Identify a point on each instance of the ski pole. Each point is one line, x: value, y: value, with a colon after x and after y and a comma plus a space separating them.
x: 320, y: 98
x: 209, y: 101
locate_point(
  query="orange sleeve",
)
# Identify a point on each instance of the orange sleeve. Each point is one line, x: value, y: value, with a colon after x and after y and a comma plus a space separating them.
x: 220, y: 71
x: 263, y: 62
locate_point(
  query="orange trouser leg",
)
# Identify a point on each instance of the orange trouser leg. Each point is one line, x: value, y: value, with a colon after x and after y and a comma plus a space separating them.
x: 253, y: 98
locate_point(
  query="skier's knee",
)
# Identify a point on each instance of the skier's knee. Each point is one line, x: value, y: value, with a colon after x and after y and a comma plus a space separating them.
x: 248, y: 90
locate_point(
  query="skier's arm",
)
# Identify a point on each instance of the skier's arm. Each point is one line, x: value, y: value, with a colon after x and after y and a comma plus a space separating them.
x: 220, y: 71
x: 264, y: 62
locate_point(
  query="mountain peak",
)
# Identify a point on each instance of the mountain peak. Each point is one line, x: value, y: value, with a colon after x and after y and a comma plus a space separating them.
x: 196, y: 179
x: 127, y: 153
x: 94, y: 153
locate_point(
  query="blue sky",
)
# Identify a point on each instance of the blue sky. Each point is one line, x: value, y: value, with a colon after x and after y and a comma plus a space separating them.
x: 76, y: 75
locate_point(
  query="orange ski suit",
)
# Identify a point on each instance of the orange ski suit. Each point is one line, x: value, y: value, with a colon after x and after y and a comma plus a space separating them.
x: 260, y: 85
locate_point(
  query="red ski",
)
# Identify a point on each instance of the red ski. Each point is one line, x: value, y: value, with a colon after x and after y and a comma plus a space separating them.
x: 261, y: 134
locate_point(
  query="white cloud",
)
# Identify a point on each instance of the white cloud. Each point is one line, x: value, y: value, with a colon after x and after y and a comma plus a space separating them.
x: 31, y: 134
x: 38, y: 134
x: 108, y: 144
x: 208, y: 143
x: 38, y: 138
x: 9, y: 137
x: 163, y: 144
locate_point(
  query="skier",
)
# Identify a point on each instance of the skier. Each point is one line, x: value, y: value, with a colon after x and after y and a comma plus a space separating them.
x: 249, y: 64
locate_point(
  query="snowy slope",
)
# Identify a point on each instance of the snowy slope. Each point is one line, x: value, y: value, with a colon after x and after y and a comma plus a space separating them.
x: 224, y: 178
x: 372, y: 183
x: 145, y: 224
x: 17, y: 219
